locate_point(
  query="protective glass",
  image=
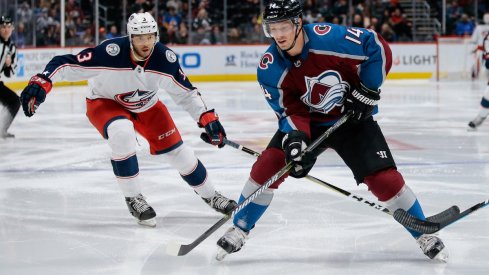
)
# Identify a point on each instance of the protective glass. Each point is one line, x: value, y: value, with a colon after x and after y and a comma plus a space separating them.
x: 141, y: 39
x: 275, y: 29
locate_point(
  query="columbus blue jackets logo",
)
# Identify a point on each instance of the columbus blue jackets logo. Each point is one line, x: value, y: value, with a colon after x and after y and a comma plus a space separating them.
x: 113, y: 49
x: 325, y: 91
x: 135, y: 99
x: 266, y: 59
x: 322, y: 29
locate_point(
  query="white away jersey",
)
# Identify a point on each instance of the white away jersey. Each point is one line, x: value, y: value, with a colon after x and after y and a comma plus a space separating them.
x: 112, y: 74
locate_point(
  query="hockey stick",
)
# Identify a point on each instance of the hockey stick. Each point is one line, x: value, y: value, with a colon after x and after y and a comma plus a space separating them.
x: 403, y: 217
x: 316, y: 180
x: 408, y: 220
x: 176, y: 249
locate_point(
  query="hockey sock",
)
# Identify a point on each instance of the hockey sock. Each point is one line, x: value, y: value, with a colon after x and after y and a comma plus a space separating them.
x: 388, y: 186
x: 197, y: 178
x: 250, y: 214
x: 126, y: 170
x: 484, y: 110
x: 406, y: 199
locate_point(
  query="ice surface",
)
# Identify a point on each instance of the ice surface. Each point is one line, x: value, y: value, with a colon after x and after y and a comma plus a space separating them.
x: 61, y: 211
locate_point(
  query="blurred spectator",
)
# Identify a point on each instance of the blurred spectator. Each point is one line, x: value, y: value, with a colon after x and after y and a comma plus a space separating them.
x: 217, y: 36
x: 234, y: 36
x: 19, y: 37
x: 141, y: 6
x: 171, y: 16
x: 72, y: 8
x: 72, y: 39
x: 113, y: 33
x: 201, y: 36
x: 464, y: 26
x: 357, y: 21
x: 387, y: 33
x: 87, y: 37
x: 202, y: 21
x: 183, y: 34
x: 336, y: 20
x: 255, y: 35
x: 374, y: 24
x: 400, y: 25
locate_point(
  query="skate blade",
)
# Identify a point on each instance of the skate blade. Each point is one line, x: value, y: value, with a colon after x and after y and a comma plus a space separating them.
x: 442, y: 256
x: 150, y: 222
x: 471, y: 129
x: 221, y: 254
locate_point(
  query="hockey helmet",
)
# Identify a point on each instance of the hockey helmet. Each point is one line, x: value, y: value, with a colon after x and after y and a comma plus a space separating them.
x: 5, y: 20
x: 142, y: 23
x: 281, y: 10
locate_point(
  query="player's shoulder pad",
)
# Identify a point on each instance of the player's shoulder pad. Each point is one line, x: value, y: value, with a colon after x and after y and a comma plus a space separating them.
x: 336, y: 38
x: 271, y: 66
x: 113, y: 48
x: 163, y: 58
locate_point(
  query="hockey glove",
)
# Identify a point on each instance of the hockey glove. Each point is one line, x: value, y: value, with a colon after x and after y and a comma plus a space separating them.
x: 360, y: 103
x: 293, y: 144
x: 214, y: 132
x: 35, y: 93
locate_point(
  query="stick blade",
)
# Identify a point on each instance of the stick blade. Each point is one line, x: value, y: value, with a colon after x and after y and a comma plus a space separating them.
x: 407, y: 220
x: 173, y: 248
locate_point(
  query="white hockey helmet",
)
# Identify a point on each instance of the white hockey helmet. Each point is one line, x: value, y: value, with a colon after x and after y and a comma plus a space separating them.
x: 142, y: 23
x: 485, y: 18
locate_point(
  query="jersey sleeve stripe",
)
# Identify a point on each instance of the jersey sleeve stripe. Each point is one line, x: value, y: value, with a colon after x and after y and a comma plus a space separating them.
x: 172, y: 78
x: 382, y: 52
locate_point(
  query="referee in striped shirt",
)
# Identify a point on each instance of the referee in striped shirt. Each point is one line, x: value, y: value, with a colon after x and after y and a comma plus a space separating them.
x: 8, y: 63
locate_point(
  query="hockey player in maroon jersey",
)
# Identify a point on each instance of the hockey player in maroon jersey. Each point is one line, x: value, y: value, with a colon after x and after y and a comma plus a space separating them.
x: 311, y: 75
x: 124, y: 76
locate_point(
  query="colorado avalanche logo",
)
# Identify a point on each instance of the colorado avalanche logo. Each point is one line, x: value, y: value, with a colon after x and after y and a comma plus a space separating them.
x: 322, y: 29
x: 266, y: 59
x: 325, y: 91
x: 135, y: 99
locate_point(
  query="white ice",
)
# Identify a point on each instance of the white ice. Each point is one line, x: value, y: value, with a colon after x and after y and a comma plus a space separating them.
x: 61, y: 211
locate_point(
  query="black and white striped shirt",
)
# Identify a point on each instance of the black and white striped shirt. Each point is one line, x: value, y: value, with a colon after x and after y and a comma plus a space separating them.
x: 7, y: 48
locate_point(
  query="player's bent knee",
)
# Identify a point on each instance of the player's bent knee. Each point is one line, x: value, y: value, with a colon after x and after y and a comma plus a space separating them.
x: 121, y: 137
x: 385, y: 184
x: 268, y: 163
x: 182, y: 159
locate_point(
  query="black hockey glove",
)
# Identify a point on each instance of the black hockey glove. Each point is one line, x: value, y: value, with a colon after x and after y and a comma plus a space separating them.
x: 360, y: 103
x: 293, y: 144
x: 214, y: 132
x: 35, y: 93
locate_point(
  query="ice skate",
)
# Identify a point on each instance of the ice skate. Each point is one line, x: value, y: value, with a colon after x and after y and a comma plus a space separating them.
x: 7, y: 135
x: 476, y: 122
x: 232, y: 241
x: 141, y: 210
x: 433, y: 247
x: 220, y: 203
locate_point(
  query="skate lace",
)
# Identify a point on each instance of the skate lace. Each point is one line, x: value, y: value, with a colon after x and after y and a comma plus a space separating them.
x: 139, y: 204
x: 219, y: 201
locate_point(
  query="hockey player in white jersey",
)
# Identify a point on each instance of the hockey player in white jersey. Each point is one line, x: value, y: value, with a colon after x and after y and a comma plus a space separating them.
x: 481, y: 38
x: 477, y: 38
x: 124, y: 75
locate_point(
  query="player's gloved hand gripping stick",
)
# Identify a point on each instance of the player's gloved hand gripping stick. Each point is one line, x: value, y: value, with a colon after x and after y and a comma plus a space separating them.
x: 214, y: 132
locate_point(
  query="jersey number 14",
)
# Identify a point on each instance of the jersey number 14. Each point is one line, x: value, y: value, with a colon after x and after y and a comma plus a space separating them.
x: 355, y: 35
